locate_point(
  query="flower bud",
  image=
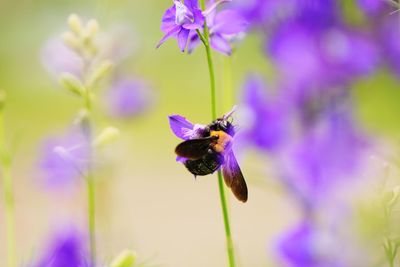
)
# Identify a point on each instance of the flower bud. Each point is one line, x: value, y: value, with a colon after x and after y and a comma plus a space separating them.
x: 126, y: 258
x: 75, y: 23
x: 70, y: 40
x: 72, y: 84
x: 92, y: 28
x: 100, y: 72
x: 106, y: 136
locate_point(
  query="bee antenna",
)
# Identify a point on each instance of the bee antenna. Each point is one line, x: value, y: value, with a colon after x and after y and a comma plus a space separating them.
x: 230, y: 113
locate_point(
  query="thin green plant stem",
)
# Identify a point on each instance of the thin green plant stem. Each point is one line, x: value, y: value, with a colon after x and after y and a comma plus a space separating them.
x: 225, y: 213
x: 90, y: 182
x: 8, y: 195
x: 91, y: 216
x: 229, y: 241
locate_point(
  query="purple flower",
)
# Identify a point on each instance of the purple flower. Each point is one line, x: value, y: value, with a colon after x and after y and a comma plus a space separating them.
x: 224, y: 27
x: 180, y: 20
x: 307, y: 246
x: 326, y: 155
x: 374, y: 7
x: 66, y: 249
x: 327, y: 56
x: 57, y: 58
x: 265, y: 117
x: 265, y: 13
x: 129, y: 97
x: 389, y: 40
x: 64, y: 159
x: 184, y: 129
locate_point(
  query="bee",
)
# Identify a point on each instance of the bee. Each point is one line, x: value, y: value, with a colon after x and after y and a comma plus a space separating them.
x: 212, y: 149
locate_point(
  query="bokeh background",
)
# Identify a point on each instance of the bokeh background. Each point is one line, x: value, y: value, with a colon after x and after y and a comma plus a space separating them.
x: 146, y: 201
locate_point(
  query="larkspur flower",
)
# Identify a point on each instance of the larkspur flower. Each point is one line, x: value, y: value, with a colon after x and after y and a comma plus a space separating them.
x: 312, y: 171
x: 64, y: 159
x: 66, y: 249
x: 374, y: 7
x: 266, y: 13
x: 128, y: 97
x: 180, y: 20
x: 325, y: 55
x: 185, y: 130
x: 57, y: 58
x: 307, y: 246
x: 264, y: 117
x: 224, y: 27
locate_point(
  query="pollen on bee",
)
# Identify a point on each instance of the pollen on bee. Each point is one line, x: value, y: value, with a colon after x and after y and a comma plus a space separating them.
x: 224, y: 141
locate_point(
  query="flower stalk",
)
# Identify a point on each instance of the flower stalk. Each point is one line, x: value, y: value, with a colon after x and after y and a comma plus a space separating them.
x: 225, y: 213
x: 5, y: 162
x: 82, y: 40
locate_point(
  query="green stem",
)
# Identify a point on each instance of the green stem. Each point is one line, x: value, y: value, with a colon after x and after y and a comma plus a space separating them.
x: 229, y: 242
x: 8, y: 195
x: 90, y: 182
x: 91, y: 217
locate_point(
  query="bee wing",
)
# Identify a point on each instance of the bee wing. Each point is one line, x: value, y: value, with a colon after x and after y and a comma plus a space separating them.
x: 195, y: 148
x: 234, y: 178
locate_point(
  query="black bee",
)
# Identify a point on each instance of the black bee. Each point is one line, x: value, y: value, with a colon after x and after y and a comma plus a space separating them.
x: 211, y: 150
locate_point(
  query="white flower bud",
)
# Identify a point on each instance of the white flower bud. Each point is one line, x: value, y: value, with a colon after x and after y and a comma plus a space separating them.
x: 75, y: 23
x: 92, y: 28
x: 70, y: 40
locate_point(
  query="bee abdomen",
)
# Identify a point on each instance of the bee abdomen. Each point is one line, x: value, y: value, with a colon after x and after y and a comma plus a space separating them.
x: 206, y: 165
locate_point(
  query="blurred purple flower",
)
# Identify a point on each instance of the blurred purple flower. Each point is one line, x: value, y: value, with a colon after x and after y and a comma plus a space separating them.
x: 307, y: 246
x: 329, y: 56
x: 265, y: 13
x: 129, y: 97
x: 265, y: 118
x: 64, y: 159
x: 326, y: 155
x: 224, y: 26
x: 66, y: 249
x: 180, y: 20
x: 389, y: 40
x: 374, y: 7
x: 57, y: 58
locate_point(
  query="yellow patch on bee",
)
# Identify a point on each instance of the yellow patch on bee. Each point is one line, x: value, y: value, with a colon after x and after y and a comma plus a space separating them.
x: 224, y: 141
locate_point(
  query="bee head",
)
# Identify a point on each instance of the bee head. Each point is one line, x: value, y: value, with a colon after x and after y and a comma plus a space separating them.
x: 222, y: 124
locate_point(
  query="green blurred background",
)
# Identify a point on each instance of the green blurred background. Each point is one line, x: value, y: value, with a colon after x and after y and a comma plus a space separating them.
x: 147, y: 201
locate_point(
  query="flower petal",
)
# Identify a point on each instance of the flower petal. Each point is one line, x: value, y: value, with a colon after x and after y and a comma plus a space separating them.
x: 168, y: 35
x: 229, y: 22
x: 194, y: 41
x: 220, y: 44
x: 192, y: 4
x: 183, y: 37
x: 168, y: 19
x: 180, y: 125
